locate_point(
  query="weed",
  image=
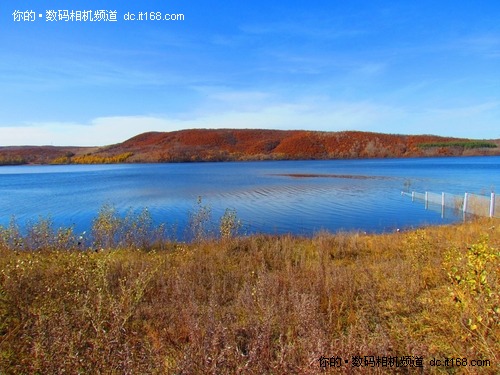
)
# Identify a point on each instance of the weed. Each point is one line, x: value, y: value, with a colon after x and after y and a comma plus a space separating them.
x: 229, y: 224
x: 252, y: 305
x: 200, y: 222
x: 475, y: 277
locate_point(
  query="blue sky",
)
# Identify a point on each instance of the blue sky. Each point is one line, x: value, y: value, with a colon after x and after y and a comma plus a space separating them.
x: 402, y: 67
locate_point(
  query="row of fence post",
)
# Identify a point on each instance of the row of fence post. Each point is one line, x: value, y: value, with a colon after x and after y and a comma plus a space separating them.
x: 464, y: 208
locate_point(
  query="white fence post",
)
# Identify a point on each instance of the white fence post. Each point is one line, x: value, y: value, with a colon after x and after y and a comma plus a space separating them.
x: 442, y: 205
x: 465, y: 206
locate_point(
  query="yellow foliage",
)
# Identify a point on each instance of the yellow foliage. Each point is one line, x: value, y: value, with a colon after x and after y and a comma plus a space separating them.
x: 95, y: 159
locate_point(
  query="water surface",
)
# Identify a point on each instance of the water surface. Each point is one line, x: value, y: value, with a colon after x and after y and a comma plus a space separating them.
x: 300, y: 197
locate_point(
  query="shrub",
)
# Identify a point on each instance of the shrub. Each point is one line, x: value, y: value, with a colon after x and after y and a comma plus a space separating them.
x: 475, y: 277
x: 464, y: 144
x: 253, y: 305
x: 229, y: 224
x: 200, y: 225
x: 134, y: 230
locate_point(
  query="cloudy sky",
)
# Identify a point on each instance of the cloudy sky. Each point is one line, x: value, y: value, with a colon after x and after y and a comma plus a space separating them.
x: 402, y: 67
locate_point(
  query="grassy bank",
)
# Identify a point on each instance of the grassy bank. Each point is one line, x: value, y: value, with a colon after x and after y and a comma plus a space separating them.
x: 256, y: 305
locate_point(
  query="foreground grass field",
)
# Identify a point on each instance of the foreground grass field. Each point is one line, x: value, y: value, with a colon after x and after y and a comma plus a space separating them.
x: 257, y: 305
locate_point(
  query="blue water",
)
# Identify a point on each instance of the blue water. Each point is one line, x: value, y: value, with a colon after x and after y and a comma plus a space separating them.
x: 264, y: 195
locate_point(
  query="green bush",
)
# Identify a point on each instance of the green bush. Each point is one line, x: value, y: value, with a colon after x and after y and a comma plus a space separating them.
x: 464, y: 144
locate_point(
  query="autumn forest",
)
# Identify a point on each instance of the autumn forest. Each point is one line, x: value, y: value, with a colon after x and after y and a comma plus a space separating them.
x: 250, y: 144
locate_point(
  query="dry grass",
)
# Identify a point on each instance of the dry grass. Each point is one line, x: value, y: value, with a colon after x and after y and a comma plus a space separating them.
x: 256, y: 305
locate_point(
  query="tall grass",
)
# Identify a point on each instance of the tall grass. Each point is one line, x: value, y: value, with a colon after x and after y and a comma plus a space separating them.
x: 249, y: 305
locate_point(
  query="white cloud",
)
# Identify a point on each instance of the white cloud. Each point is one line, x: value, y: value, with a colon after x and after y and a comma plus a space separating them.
x: 483, y: 45
x: 313, y: 114
x: 100, y: 131
x: 259, y: 110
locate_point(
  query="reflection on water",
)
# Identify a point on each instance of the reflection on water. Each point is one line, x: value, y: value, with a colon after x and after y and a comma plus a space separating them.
x: 275, y: 197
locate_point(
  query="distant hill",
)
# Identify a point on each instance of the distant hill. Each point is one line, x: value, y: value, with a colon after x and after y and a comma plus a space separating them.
x: 17, y: 155
x: 252, y: 144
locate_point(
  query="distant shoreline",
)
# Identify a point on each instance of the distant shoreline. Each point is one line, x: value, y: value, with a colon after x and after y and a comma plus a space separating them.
x: 260, y: 160
x: 222, y: 145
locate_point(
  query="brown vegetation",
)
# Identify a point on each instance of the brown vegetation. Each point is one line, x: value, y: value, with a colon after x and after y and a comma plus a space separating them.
x: 251, y: 144
x: 247, y: 144
x: 256, y: 305
x: 16, y: 155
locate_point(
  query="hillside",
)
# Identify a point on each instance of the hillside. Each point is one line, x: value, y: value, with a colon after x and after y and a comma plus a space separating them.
x: 252, y: 144
x: 17, y: 155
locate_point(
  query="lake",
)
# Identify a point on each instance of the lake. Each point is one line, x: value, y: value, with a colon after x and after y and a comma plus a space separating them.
x: 300, y: 197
